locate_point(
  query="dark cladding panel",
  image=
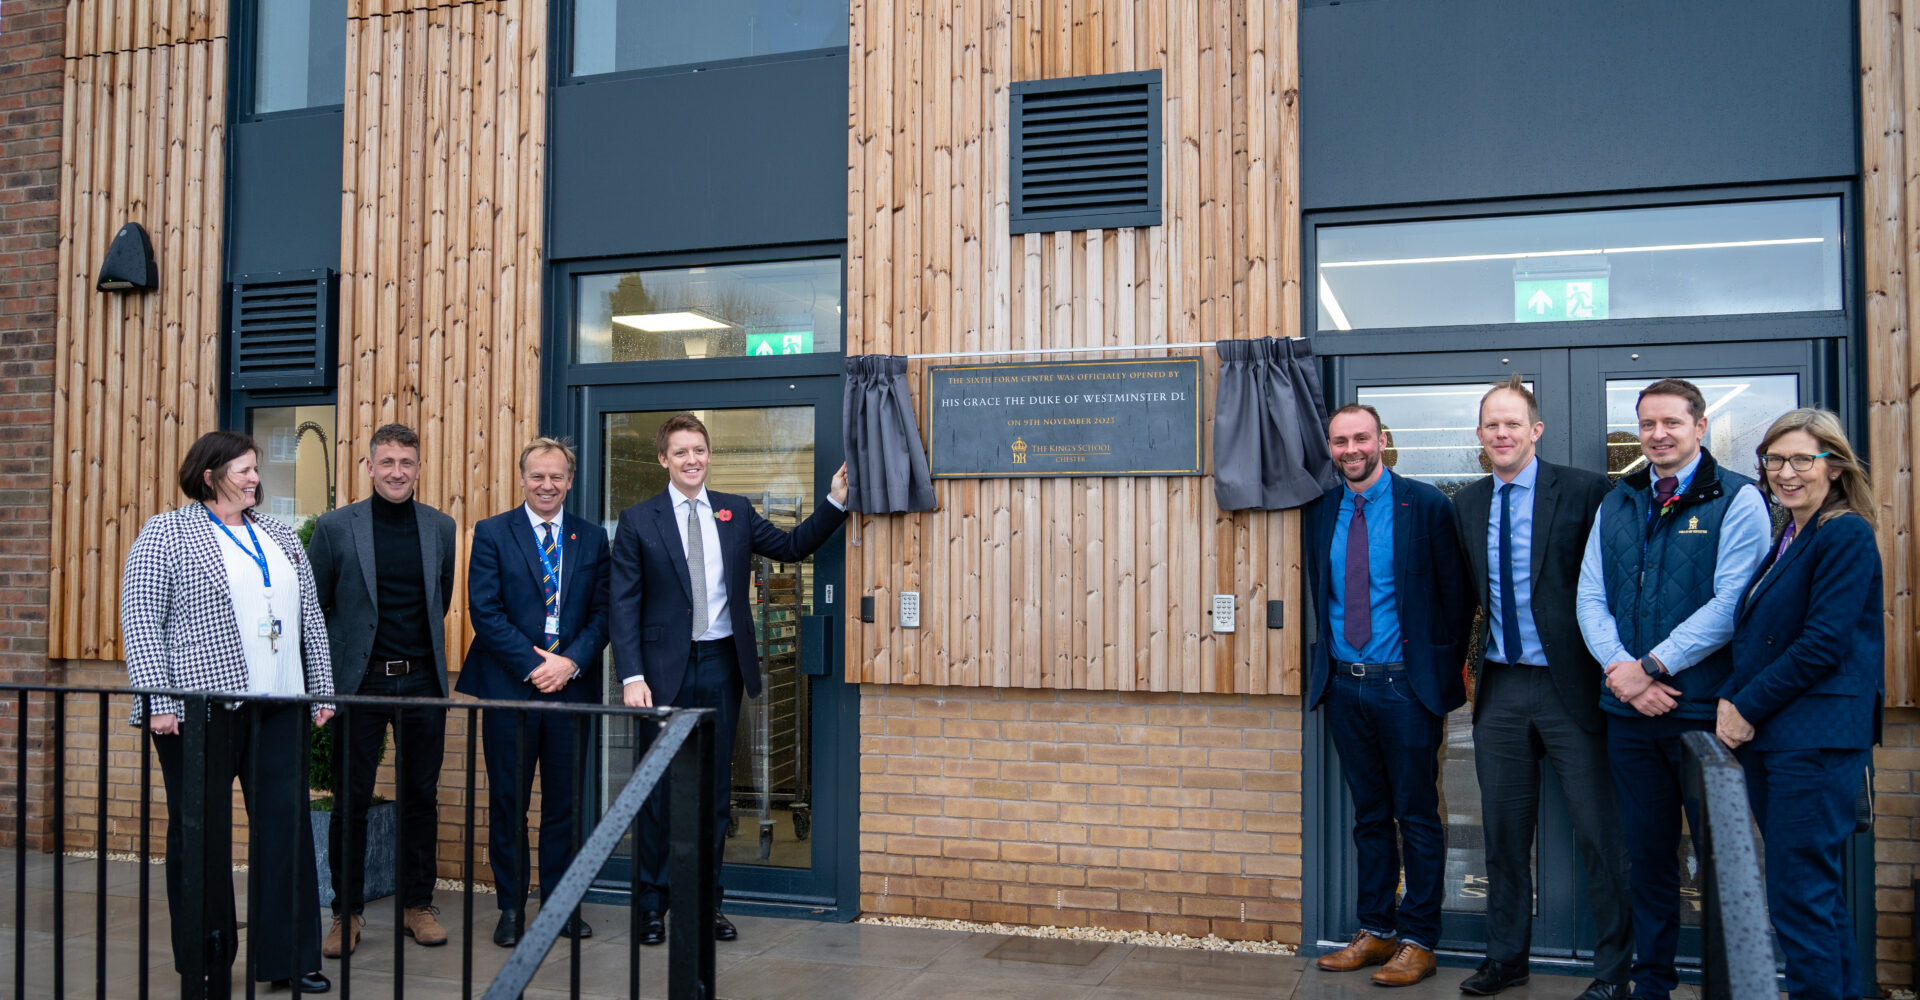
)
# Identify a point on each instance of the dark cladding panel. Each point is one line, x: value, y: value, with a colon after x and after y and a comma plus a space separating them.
x: 1412, y: 101
x: 735, y: 156
x: 285, y: 184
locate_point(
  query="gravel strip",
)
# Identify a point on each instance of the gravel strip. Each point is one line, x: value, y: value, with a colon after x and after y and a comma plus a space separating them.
x: 1211, y: 942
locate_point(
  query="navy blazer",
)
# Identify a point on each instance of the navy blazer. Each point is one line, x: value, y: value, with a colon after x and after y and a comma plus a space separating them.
x: 508, y: 607
x: 652, y: 619
x: 1809, y: 643
x: 1431, y: 590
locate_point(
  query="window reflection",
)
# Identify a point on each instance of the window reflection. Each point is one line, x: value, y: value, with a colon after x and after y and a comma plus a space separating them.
x: 1739, y: 411
x: 614, y: 35
x: 296, y: 461
x: 1689, y: 260
x: 300, y: 54
x: 721, y: 311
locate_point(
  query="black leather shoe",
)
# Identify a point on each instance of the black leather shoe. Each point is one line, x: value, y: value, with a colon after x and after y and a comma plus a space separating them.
x: 1494, y: 977
x: 506, y: 933
x: 653, y: 927
x: 723, y: 929
x: 1599, y: 990
x: 312, y: 982
x: 576, y: 928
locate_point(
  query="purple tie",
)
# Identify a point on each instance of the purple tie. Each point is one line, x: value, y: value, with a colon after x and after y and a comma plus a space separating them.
x: 1356, y: 602
x: 1786, y: 537
x: 1663, y: 489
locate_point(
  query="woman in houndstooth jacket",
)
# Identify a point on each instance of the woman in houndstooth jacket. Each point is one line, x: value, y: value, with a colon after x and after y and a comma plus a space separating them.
x: 217, y: 598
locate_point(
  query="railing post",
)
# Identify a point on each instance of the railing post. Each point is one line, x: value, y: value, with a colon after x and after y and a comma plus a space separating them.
x: 1736, y: 933
x: 690, y: 966
x: 205, y: 812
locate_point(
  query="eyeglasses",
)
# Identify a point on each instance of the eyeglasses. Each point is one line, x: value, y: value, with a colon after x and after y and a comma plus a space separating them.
x: 1800, y: 463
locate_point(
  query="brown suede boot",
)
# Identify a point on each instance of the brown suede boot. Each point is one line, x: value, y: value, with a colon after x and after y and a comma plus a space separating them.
x: 1410, y: 964
x: 343, y: 927
x: 1362, y: 951
x: 422, y: 926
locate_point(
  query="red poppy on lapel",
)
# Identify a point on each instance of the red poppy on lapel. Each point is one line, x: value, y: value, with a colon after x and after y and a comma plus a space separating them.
x: 723, y: 514
x: 573, y: 538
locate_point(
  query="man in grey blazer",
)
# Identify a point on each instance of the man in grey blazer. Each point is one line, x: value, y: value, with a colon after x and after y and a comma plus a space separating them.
x: 1524, y: 530
x: 383, y: 568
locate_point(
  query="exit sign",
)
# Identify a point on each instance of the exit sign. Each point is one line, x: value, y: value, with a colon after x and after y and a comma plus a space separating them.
x: 1559, y: 300
x: 768, y: 344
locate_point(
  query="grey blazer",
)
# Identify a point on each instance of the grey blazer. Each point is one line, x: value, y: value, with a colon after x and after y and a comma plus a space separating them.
x: 342, y: 556
x: 176, y: 611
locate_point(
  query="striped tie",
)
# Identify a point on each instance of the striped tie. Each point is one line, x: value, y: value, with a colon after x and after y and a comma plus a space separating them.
x: 549, y: 585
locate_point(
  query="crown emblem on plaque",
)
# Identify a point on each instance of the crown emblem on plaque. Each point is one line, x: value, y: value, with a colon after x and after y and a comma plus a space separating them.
x: 1019, y: 451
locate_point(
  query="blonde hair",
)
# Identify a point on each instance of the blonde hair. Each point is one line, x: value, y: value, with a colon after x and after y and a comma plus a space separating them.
x: 1852, y: 492
x: 546, y: 444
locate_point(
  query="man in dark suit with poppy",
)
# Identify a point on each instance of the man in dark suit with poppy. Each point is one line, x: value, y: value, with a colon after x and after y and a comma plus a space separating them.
x: 537, y: 593
x: 1388, y: 584
x: 683, y: 628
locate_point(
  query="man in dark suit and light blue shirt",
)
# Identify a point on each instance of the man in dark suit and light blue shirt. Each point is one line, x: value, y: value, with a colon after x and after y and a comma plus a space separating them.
x: 1538, y: 693
x: 1389, y: 581
x: 683, y: 628
x: 383, y: 569
x: 1671, y: 550
x: 537, y: 594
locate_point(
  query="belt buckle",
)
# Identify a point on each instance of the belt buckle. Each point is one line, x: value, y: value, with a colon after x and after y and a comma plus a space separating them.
x: 1356, y: 669
x: 406, y: 666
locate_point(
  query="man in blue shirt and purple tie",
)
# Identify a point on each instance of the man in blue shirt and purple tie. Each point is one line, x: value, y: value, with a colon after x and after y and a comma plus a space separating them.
x: 1389, y: 584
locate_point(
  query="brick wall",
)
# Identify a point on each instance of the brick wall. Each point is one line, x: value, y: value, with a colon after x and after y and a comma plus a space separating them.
x: 32, y: 86
x: 1163, y: 812
x: 1896, y: 848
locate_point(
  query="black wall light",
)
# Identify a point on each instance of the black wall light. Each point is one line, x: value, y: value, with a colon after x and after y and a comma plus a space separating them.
x: 129, y: 264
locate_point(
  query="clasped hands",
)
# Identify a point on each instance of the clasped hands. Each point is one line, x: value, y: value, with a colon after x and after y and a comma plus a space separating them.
x: 553, y: 673
x: 1636, y: 687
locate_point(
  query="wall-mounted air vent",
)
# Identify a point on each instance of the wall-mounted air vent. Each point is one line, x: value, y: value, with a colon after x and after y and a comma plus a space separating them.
x: 1086, y: 152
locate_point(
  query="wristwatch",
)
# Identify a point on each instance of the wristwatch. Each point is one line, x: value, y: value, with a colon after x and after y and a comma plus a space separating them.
x: 1653, y: 667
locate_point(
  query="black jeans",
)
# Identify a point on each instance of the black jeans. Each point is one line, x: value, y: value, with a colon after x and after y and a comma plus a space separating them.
x: 266, y: 749
x: 712, y: 681
x: 421, y: 733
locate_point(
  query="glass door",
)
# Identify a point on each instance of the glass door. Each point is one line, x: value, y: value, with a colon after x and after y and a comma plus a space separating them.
x: 1429, y: 407
x: 777, y: 442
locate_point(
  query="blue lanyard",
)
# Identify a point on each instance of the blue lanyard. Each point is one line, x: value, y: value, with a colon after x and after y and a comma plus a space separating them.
x: 258, y: 553
x: 558, y: 553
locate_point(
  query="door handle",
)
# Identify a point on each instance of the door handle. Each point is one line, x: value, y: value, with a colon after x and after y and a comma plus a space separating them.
x: 816, y: 644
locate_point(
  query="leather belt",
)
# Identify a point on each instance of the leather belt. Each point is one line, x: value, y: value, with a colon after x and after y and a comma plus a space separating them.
x: 397, y: 668
x: 1365, y: 670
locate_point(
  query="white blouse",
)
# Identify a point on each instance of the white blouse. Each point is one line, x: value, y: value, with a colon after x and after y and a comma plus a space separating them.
x: 269, y: 671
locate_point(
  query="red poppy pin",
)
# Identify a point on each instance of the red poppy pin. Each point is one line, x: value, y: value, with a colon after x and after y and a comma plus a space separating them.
x: 723, y: 514
x: 573, y: 538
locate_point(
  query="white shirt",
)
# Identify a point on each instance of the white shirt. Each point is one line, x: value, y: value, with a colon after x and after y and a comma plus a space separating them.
x: 559, y: 541
x: 269, y: 671
x: 719, y: 625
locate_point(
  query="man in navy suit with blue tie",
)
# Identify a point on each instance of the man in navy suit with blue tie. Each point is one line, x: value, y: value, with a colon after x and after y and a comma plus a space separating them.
x: 537, y: 594
x: 1389, y: 585
x: 683, y: 625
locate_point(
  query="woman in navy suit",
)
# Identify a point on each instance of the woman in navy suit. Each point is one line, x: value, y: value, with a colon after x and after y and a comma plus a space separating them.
x: 1802, y: 708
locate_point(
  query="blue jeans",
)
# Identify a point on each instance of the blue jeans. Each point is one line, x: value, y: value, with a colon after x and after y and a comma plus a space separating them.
x: 1804, y: 838
x: 1389, y: 748
x: 1649, y: 776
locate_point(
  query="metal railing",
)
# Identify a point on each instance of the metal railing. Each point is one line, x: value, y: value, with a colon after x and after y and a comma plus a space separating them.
x: 203, y: 812
x: 1736, y: 935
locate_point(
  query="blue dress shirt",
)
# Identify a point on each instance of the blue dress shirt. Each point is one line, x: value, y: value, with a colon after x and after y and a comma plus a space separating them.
x: 1531, y: 649
x: 1384, y: 647
x: 1744, y: 535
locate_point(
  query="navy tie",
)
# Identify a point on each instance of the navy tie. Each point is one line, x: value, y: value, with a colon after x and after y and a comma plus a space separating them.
x: 1356, y: 601
x: 1509, y: 604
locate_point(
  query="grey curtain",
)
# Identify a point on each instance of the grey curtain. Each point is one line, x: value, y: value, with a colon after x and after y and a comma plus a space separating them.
x: 1269, y: 426
x: 886, y: 464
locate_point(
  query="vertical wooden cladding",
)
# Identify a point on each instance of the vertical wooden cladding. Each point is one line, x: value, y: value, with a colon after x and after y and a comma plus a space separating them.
x: 1890, y: 192
x: 136, y: 375
x: 1088, y: 583
x: 441, y: 245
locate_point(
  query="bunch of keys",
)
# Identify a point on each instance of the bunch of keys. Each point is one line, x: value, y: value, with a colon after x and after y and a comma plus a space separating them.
x: 269, y: 629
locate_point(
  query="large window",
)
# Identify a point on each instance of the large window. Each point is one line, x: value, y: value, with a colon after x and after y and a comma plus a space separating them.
x: 296, y: 460
x: 299, y: 54
x: 611, y: 36
x: 717, y: 311
x: 1732, y: 258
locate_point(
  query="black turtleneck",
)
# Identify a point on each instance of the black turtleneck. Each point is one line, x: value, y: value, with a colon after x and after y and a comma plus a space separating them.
x: 399, y: 583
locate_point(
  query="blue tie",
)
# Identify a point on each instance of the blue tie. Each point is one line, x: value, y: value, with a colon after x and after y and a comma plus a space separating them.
x: 1509, y: 605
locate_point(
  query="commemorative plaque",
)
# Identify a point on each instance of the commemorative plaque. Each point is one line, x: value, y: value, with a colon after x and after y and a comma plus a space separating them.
x: 1075, y: 418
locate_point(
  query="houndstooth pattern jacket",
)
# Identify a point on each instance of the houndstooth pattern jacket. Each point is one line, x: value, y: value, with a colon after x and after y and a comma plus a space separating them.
x: 176, y: 611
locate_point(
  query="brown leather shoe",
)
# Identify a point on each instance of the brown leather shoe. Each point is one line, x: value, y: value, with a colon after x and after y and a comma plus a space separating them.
x: 423, y: 927
x: 1410, y: 964
x: 343, y: 926
x: 1362, y: 951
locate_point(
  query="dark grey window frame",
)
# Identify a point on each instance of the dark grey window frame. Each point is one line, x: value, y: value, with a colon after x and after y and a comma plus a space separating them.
x: 1022, y: 220
x: 560, y: 54
x: 244, y: 64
